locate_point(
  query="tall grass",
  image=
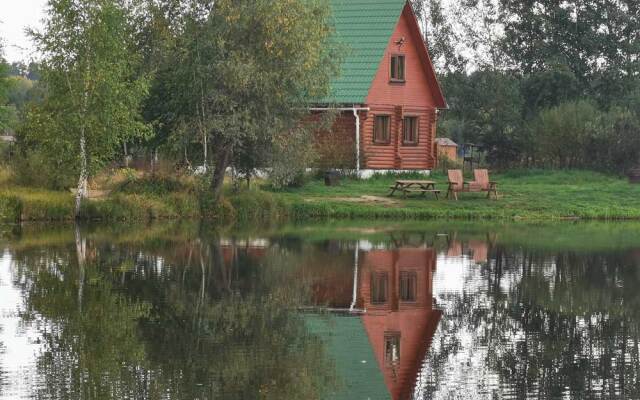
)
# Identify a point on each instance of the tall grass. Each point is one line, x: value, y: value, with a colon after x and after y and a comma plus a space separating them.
x: 528, y: 195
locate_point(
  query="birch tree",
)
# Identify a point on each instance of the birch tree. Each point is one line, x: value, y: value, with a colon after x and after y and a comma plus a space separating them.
x: 89, y: 68
x: 4, y: 88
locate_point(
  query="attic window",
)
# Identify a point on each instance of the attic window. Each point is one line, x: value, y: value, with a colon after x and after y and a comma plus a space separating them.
x: 397, y: 68
x: 392, y: 348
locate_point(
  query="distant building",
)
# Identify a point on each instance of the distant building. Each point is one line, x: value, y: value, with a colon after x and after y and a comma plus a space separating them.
x: 448, y: 148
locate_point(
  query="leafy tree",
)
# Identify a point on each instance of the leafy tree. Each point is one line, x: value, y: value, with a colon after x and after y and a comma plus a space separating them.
x: 486, y: 109
x: 243, y: 72
x: 595, y: 39
x: 439, y: 35
x: 550, y: 88
x: 581, y: 135
x: 93, y: 91
x: 24, y: 91
x: 5, y: 111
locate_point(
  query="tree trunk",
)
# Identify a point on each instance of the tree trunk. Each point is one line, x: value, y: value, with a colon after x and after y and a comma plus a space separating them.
x: 205, y: 146
x: 81, y: 252
x: 84, y: 175
x: 126, y: 154
x: 223, y: 160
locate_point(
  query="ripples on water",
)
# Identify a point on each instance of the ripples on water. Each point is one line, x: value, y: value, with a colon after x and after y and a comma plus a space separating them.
x: 414, y: 312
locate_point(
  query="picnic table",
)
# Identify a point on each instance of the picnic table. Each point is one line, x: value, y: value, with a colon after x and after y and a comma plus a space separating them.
x: 414, y: 186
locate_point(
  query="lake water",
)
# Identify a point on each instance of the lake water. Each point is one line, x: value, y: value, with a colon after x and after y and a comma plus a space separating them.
x: 325, y: 311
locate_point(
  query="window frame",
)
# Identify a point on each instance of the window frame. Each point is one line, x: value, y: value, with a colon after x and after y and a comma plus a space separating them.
x: 379, y: 279
x: 396, y: 57
x: 411, y: 278
x: 387, y: 126
x: 416, y: 130
x: 392, y: 350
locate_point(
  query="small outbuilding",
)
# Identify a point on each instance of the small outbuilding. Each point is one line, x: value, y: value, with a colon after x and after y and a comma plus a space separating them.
x: 447, y: 148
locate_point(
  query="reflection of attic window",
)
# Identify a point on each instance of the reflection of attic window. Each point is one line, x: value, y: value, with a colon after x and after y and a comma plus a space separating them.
x: 392, y: 348
x: 408, y: 286
x: 379, y: 287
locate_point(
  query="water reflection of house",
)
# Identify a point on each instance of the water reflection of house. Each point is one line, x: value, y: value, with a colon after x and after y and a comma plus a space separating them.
x: 392, y: 291
x: 478, y: 250
x: 254, y: 248
x: 400, y: 320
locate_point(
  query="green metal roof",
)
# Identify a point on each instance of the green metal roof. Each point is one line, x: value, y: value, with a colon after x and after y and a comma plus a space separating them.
x: 348, y: 345
x: 364, y: 27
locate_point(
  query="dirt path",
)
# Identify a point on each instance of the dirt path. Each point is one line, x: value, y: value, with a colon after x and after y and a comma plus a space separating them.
x: 369, y: 200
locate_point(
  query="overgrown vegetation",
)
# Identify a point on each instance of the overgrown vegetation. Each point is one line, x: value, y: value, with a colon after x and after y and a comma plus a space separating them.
x: 525, y: 195
x: 125, y: 195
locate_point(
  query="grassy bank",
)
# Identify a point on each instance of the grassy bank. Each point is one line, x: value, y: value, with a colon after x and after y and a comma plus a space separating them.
x: 531, y: 195
x: 115, y: 198
x: 534, y: 195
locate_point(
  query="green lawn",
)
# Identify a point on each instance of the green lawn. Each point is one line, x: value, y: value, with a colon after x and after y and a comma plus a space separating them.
x: 523, y: 195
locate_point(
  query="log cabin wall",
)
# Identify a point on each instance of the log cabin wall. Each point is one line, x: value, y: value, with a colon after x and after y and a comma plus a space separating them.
x: 413, y: 97
x: 336, y: 147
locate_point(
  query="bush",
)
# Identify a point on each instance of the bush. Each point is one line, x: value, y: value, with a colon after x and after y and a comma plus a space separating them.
x: 580, y: 135
x: 445, y: 163
x: 6, y: 152
x: 156, y: 184
x: 255, y: 205
x: 10, y: 208
x: 33, y: 170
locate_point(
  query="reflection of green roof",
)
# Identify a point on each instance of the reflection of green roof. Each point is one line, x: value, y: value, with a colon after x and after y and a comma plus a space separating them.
x: 364, y: 27
x: 348, y: 345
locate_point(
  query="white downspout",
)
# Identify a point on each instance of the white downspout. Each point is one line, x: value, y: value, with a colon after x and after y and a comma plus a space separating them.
x: 354, y: 297
x: 355, y: 114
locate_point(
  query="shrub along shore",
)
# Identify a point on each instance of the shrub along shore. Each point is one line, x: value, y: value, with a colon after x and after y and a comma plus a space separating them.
x: 524, y: 195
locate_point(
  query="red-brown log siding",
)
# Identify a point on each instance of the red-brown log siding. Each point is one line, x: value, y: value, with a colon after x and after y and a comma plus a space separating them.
x: 397, y: 155
x: 414, y: 97
x: 414, y: 322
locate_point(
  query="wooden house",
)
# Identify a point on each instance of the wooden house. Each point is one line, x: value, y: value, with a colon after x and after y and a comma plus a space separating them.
x: 387, y: 94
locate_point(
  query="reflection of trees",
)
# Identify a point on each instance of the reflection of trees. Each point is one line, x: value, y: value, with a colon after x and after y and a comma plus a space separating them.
x: 89, y: 330
x: 548, y: 326
x: 2, y: 373
x: 197, y: 319
x: 237, y: 336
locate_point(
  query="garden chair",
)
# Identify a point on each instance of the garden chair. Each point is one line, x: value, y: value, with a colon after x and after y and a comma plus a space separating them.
x: 482, y: 183
x: 456, y: 183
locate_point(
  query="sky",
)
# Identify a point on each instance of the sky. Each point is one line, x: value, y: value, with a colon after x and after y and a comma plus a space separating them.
x: 15, y: 17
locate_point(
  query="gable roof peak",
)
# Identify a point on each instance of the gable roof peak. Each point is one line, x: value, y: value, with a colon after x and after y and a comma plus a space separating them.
x: 365, y: 27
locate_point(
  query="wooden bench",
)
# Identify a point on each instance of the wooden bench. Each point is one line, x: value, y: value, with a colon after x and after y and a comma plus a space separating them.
x: 435, y: 192
x: 414, y: 186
